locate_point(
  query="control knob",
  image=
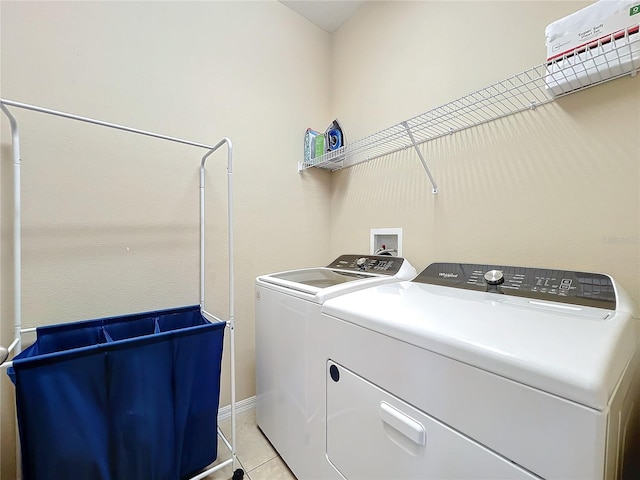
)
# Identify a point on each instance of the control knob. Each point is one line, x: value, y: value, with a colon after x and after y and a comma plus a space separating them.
x: 494, y: 279
x: 361, y: 263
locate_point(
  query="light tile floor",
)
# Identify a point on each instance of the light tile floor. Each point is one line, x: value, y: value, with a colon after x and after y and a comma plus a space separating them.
x: 255, y: 454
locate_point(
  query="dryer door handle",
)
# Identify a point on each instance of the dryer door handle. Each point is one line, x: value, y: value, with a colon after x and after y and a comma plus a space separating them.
x: 403, y: 423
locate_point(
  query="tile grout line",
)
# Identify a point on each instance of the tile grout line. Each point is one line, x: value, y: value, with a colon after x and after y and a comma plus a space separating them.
x: 246, y: 407
x: 261, y: 464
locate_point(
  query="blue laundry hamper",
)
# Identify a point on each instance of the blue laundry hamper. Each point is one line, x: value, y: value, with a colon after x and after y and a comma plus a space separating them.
x: 133, y: 397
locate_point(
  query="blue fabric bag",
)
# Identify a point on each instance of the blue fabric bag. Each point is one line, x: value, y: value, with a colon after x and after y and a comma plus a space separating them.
x: 129, y: 397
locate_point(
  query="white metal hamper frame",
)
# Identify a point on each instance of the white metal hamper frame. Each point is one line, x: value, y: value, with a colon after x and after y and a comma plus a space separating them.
x: 16, y: 344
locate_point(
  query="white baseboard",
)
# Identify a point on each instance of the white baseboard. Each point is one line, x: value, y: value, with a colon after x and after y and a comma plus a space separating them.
x: 241, y: 406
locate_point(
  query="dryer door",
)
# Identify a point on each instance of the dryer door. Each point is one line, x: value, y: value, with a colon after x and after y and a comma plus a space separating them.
x: 373, y: 435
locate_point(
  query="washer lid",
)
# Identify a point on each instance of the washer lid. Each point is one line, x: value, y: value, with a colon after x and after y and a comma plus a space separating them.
x: 576, y: 352
x: 320, y: 284
x: 345, y: 274
x: 313, y: 279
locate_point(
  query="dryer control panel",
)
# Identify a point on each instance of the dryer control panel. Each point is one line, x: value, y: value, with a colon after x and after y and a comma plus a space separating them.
x: 381, y: 264
x: 578, y: 288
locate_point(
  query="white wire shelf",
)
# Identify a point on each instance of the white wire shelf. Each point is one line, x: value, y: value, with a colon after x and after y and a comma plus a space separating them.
x: 603, y: 60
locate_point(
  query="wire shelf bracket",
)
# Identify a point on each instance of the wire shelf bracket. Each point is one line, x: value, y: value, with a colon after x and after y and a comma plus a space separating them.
x: 434, y: 188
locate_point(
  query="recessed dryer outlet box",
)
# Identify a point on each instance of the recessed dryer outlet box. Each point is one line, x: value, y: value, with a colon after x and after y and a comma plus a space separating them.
x: 386, y: 241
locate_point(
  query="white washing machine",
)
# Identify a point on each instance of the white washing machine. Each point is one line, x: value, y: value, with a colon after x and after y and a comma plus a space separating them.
x: 482, y: 372
x: 288, y: 396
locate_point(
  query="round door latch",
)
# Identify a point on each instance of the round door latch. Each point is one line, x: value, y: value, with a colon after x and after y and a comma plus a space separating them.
x: 334, y: 372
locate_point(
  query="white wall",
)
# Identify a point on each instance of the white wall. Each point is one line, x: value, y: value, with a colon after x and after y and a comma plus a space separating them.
x: 558, y: 186
x: 110, y: 220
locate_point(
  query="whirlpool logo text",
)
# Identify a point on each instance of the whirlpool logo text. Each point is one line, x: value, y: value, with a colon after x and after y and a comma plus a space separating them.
x: 448, y: 275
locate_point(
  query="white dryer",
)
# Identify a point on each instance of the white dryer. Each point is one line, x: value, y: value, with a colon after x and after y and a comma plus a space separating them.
x: 288, y: 393
x: 482, y: 371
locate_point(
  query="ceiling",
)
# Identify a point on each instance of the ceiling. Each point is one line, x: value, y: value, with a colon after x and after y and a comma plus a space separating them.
x: 326, y: 14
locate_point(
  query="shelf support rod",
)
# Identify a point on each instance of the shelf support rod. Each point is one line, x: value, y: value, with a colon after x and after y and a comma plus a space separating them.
x: 434, y: 188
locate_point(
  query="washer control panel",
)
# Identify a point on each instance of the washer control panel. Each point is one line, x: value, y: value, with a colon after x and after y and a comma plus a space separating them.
x: 381, y: 264
x: 578, y: 288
